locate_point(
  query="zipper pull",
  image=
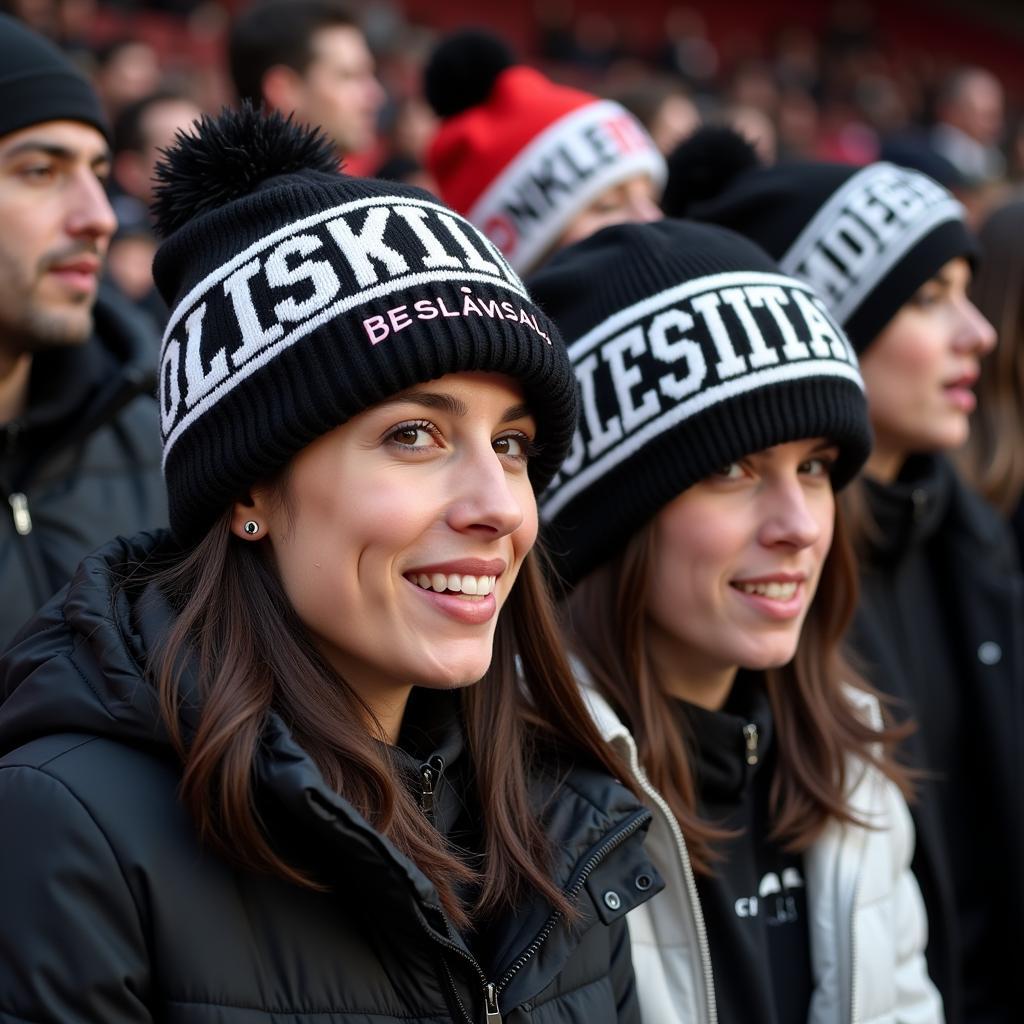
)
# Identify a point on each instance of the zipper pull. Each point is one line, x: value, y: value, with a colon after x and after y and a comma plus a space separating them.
x: 427, y: 789
x: 19, y: 510
x: 750, y: 738
x: 491, y: 1005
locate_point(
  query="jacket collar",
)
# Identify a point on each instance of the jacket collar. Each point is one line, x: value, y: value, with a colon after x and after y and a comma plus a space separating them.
x: 910, y: 510
x: 75, y: 389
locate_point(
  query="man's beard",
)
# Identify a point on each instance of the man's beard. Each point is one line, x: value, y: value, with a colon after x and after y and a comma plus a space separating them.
x: 28, y: 324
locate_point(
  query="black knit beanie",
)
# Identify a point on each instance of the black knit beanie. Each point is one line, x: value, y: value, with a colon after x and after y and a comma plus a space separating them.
x: 866, y: 238
x: 38, y: 83
x: 300, y: 297
x: 691, y: 352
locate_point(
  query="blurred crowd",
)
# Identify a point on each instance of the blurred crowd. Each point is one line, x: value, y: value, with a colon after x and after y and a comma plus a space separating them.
x: 844, y: 89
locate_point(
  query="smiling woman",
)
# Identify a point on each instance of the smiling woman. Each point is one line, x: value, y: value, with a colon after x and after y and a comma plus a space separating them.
x: 695, y: 520
x: 318, y: 751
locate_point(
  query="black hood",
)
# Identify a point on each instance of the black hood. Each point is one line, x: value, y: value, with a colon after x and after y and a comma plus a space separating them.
x: 94, y: 625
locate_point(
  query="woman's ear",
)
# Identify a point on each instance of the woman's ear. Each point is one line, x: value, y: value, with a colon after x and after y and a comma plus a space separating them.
x: 250, y: 519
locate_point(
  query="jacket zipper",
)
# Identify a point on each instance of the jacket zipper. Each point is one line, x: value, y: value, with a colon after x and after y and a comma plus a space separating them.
x: 430, y: 772
x: 853, y: 954
x: 691, y: 882
x: 750, y: 737
x: 20, y: 513
x: 491, y: 991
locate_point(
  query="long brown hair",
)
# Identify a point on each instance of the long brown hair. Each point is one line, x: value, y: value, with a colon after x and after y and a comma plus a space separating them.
x: 993, y: 458
x: 252, y: 656
x: 818, y: 728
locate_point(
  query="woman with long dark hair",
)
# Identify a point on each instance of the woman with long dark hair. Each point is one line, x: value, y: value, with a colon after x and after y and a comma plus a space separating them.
x: 244, y: 772
x: 992, y: 460
x: 942, y: 594
x: 695, y: 522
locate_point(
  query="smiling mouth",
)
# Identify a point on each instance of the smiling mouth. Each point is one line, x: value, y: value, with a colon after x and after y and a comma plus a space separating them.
x: 776, y: 591
x: 454, y: 583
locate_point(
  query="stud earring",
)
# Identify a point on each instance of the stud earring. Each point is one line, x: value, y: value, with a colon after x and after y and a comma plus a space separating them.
x: 251, y: 527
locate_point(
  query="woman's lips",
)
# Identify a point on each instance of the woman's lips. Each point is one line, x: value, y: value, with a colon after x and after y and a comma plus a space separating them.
x: 960, y: 393
x: 780, y: 598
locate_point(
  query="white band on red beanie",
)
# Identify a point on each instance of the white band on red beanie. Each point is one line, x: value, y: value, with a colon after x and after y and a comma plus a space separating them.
x: 561, y: 172
x: 866, y: 227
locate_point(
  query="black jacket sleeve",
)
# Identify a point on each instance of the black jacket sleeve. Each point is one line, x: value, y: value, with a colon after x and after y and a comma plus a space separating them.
x: 72, y: 948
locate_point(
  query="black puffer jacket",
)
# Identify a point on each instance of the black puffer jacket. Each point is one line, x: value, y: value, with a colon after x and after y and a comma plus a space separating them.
x: 113, y: 912
x: 83, y: 463
x: 941, y: 627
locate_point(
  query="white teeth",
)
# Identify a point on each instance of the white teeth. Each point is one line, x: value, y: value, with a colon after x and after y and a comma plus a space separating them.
x: 776, y: 591
x: 475, y: 586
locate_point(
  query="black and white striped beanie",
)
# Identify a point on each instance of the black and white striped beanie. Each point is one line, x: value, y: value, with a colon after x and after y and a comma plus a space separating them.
x: 690, y: 351
x: 300, y: 296
x: 865, y: 238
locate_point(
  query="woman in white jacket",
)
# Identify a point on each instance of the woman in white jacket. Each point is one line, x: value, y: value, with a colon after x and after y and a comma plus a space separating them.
x: 696, y: 524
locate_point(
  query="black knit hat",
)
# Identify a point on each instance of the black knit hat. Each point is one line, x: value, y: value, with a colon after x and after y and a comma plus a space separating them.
x: 692, y: 352
x: 38, y: 83
x: 301, y: 296
x: 866, y: 238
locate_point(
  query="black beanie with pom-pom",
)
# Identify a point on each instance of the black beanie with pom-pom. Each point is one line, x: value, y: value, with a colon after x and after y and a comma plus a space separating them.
x: 866, y: 238
x: 300, y: 296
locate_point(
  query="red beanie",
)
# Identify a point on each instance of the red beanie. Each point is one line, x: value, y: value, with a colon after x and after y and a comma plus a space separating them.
x: 524, y: 162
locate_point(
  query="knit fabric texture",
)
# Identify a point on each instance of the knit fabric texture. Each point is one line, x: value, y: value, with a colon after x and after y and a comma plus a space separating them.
x: 311, y: 298
x: 692, y: 352
x: 38, y: 83
x: 534, y: 155
x: 865, y: 238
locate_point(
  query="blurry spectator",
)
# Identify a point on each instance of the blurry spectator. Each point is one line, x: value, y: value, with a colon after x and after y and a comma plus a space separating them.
x: 143, y: 129
x: 407, y: 170
x: 753, y: 85
x: 126, y: 70
x: 969, y: 125
x: 797, y: 58
x: 757, y: 128
x: 409, y: 126
x: 79, y: 429
x: 687, y: 51
x: 797, y: 124
x: 310, y: 58
x: 993, y: 459
x: 663, y: 107
x: 534, y: 165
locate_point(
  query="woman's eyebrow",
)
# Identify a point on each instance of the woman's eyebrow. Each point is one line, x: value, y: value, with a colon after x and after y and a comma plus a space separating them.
x: 432, y: 400
x: 452, y: 405
x: 516, y: 412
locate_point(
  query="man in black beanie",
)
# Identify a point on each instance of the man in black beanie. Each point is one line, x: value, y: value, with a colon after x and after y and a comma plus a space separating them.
x: 79, y: 452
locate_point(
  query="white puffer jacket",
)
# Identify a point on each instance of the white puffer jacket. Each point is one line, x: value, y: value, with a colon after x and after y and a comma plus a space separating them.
x: 866, y: 916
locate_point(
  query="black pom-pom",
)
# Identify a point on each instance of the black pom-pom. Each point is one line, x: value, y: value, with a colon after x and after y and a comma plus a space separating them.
x: 226, y: 157
x: 701, y: 167
x: 461, y: 71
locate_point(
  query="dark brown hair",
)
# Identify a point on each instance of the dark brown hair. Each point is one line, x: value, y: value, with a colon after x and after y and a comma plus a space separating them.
x: 253, y: 656
x: 817, y: 725
x: 992, y: 461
